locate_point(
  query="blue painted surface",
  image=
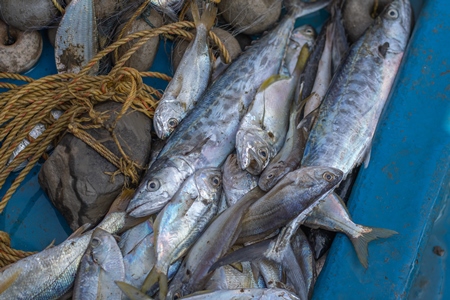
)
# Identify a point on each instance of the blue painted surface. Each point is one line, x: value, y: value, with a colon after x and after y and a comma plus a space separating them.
x: 406, y: 184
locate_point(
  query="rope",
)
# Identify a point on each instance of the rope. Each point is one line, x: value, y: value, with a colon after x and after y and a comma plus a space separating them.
x: 9, y: 255
x: 58, y: 7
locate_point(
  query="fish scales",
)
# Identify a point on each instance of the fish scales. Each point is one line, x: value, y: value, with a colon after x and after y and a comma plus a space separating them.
x: 349, y: 113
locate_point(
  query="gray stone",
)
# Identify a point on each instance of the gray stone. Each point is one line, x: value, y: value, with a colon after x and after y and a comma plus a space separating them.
x: 74, y: 176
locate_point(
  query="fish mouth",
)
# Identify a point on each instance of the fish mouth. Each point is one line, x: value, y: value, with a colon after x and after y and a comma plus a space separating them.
x: 161, y: 130
x: 251, y: 162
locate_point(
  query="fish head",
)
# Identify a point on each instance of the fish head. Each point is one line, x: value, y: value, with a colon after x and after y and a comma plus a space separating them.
x: 167, y: 117
x: 397, y: 23
x: 100, y: 245
x: 253, y: 151
x: 156, y: 189
x: 317, y: 177
x: 272, y: 175
x: 302, y: 35
x: 208, y: 183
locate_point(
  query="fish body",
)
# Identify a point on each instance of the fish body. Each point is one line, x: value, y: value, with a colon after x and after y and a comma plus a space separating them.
x: 297, y: 193
x: 100, y: 266
x: 228, y: 278
x: 349, y: 113
x: 263, y: 128
x: 168, y: 7
x: 207, y: 135
x: 245, y: 294
x: 236, y: 182
x: 331, y: 214
x: 212, y: 244
x: 190, y: 79
x: 182, y: 221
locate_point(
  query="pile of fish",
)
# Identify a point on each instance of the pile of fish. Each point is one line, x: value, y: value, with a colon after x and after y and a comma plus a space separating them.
x: 253, y: 164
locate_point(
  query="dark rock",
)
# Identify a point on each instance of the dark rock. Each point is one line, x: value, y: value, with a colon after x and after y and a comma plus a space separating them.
x: 74, y: 176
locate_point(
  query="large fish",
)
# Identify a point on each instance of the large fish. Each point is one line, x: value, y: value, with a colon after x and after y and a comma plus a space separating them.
x: 349, y: 113
x: 207, y: 134
x: 191, y: 77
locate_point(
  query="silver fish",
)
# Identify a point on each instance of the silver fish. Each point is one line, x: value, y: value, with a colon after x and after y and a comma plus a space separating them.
x: 262, y: 294
x: 290, y: 155
x: 236, y: 182
x: 168, y: 7
x: 349, y: 113
x: 50, y: 273
x: 207, y: 135
x: 332, y: 214
x: 297, y: 193
x: 182, y: 221
x: 340, y: 43
x: 76, y: 38
x: 212, y: 244
x: 100, y: 266
x: 138, y: 253
x: 190, y: 79
x: 228, y: 278
x: 303, y: 35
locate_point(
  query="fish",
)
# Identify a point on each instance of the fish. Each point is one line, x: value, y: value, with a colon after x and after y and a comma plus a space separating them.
x: 138, y: 252
x: 212, y: 244
x: 228, y: 278
x: 49, y: 274
x: 76, y: 40
x: 332, y: 214
x: 349, y: 113
x: 340, y: 42
x: 267, y: 293
x: 323, y: 76
x: 190, y: 79
x: 290, y: 156
x: 263, y: 128
x: 100, y: 266
x: 236, y: 182
x: 296, y: 194
x: 207, y: 134
x: 182, y: 221
x: 301, y: 36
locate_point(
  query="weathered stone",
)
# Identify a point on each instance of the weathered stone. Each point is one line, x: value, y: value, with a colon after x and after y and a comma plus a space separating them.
x: 74, y: 176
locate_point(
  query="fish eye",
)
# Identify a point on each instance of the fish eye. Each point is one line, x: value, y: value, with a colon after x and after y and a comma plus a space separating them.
x: 392, y: 13
x: 153, y: 185
x: 262, y: 153
x: 172, y: 122
x: 270, y: 175
x: 215, y: 180
x: 309, y: 31
x: 328, y: 176
x: 177, y: 296
x: 95, y: 242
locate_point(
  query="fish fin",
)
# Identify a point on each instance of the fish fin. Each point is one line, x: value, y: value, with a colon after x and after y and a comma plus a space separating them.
x: 271, y: 80
x: 207, y: 18
x: 7, y: 282
x: 249, y: 253
x: 309, y: 120
x: 255, y: 270
x: 121, y: 201
x: 300, y: 8
x: 79, y: 231
x: 301, y: 61
x: 238, y: 266
x: 131, y: 292
x: 51, y: 245
x: 155, y: 277
x: 369, y: 234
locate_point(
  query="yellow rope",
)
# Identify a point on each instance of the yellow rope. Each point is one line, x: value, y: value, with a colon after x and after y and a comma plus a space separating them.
x: 7, y: 254
x: 58, y: 6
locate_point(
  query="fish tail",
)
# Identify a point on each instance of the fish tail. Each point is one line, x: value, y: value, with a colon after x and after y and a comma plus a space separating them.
x: 208, y: 17
x: 155, y: 277
x: 131, y: 292
x: 368, y: 234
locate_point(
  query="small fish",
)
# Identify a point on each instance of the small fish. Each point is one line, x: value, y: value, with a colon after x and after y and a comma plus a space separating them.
x: 212, y: 244
x: 191, y: 77
x: 228, y: 278
x: 182, y: 221
x: 236, y: 182
x: 331, y: 214
x: 168, y: 7
x: 100, y: 266
x: 268, y: 293
x: 296, y: 194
